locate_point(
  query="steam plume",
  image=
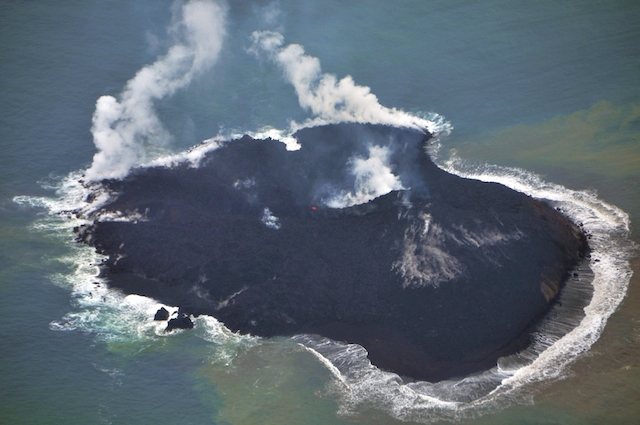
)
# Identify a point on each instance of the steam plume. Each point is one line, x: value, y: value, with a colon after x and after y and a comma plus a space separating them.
x: 124, y: 128
x: 330, y: 100
x: 374, y: 178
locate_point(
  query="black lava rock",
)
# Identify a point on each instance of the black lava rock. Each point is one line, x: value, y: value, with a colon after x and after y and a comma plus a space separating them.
x: 435, y: 280
x: 161, y: 314
x: 181, y: 322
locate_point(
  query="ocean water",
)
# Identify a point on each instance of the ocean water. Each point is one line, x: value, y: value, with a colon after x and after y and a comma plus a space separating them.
x: 542, y: 97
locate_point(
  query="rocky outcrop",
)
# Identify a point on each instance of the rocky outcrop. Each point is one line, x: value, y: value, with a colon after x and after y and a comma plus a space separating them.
x: 181, y: 321
x: 162, y: 314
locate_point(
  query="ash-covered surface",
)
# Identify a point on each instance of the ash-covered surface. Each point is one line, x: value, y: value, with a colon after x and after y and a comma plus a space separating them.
x: 437, y: 278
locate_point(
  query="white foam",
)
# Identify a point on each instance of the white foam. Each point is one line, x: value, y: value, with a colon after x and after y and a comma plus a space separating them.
x: 227, y: 343
x: 78, y: 201
x: 608, y: 227
x: 108, y: 314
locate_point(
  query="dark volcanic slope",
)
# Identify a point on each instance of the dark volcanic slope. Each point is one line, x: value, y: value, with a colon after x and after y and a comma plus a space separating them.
x: 434, y: 282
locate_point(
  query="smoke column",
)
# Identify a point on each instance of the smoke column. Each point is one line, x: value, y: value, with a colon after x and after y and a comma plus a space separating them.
x: 123, y: 128
x: 374, y: 177
x: 331, y: 100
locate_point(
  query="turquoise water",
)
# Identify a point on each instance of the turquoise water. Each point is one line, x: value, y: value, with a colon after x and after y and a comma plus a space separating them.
x: 552, y: 88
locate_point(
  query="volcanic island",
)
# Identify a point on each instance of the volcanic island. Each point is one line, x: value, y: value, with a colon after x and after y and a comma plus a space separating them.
x: 435, y: 280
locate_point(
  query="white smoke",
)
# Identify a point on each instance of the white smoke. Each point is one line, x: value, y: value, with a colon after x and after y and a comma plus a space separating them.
x: 331, y: 100
x: 374, y: 177
x: 270, y: 220
x: 123, y: 129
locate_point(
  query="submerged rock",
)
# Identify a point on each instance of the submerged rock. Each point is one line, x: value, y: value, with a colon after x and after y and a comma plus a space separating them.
x: 437, y: 278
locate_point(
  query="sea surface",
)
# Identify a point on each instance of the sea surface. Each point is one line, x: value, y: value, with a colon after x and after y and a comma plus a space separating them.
x: 541, y: 96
